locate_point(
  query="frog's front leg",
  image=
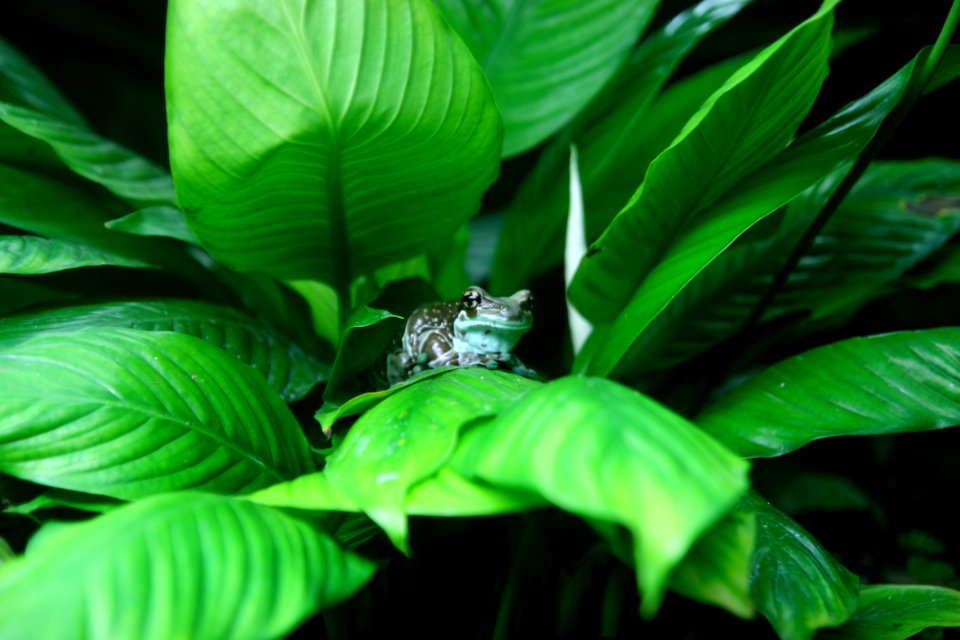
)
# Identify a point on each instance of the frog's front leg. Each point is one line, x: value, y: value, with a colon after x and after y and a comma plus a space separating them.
x: 437, y: 351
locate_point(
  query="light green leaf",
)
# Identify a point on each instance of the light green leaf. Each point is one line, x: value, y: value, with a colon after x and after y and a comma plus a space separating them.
x: 128, y: 413
x: 890, y: 383
x: 286, y: 367
x: 324, y: 140
x: 617, y: 136
x: 800, y: 166
x: 29, y: 104
x: 184, y: 565
x: 603, y: 451
x: 155, y: 221
x: 796, y: 584
x: 31, y: 255
x: 748, y: 121
x: 546, y: 58
x: 408, y: 437
x: 717, y: 569
x: 897, y: 612
x: 324, y: 308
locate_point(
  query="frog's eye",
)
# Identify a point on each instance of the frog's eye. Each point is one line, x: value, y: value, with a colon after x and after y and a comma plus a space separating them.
x: 470, y: 299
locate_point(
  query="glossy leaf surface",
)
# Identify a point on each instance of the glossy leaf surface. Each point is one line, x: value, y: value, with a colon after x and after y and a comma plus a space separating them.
x: 31, y: 255
x: 603, y: 451
x: 807, y: 160
x: 617, y: 136
x: 286, y: 367
x: 546, y: 58
x: 184, y: 565
x: 897, y: 612
x: 892, y: 383
x: 748, y: 121
x: 408, y: 437
x: 128, y: 413
x: 155, y: 221
x: 324, y: 140
x: 30, y: 105
x: 796, y: 584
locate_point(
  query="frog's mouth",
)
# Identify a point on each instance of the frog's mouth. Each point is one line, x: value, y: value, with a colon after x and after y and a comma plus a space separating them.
x: 485, y: 335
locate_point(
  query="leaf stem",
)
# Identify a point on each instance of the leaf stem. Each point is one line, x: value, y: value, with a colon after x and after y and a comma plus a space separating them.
x: 911, y: 94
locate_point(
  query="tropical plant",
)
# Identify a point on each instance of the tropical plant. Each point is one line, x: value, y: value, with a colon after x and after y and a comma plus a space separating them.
x: 754, y: 282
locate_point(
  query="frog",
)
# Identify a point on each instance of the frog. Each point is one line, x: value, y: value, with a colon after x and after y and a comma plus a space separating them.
x: 477, y: 330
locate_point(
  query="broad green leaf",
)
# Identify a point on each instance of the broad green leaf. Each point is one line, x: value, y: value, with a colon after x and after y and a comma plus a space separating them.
x: 717, y: 568
x: 408, y: 437
x: 128, y: 413
x: 285, y: 366
x: 323, y: 140
x: 183, y: 565
x: 897, y: 612
x: 811, y: 157
x: 46, y: 207
x: 366, y: 336
x: 29, y: 104
x: 603, y: 451
x: 155, y: 221
x: 31, y: 255
x: 546, y: 58
x: 617, y: 136
x: 796, y: 584
x: 324, y: 308
x: 747, y: 122
x: 892, y: 383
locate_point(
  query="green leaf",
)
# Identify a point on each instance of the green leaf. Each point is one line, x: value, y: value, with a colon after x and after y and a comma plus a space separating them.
x: 161, y: 221
x: 6, y: 553
x: 29, y: 104
x: 184, y: 565
x: 748, y: 121
x: 56, y: 498
x: 892, y: 383
x: 20, y: 293
x: 546, y: 58
x: 286, y: 367
x: 324, y: 140
x: 717, y: 569
x: 30, y: 255
x: 897, y: 612
x: 409, y: 436
x: 128, y: 413
x: 796, y: 584
x: 617, y: 136
x: 603, y: 451
x: 800, y: 166
x: 365, y: 337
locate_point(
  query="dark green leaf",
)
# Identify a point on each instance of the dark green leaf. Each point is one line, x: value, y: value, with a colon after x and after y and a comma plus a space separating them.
x: 155, y: 221
x: 796, y: 584
x: 617, y: 136
x: 748, y: 121
x: 31, y: 255
x: 603, y: 451
x: 184, y: 565
x: 896, y: 612
x: 56, y: 498
x: 20, y: 293
x: 324, y: 140
x: 128, y: 413
x: 29, y: 104
x: 367, y: 335
x: 891, y: 383
x: 408, y: 437
x: 546, y: 58
x: 286, y: 367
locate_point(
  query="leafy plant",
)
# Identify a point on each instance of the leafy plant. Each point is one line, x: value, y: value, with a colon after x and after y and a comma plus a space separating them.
x: 166, y: 338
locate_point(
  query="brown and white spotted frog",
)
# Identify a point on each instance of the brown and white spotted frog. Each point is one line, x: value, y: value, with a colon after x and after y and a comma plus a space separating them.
x: 477, y: 330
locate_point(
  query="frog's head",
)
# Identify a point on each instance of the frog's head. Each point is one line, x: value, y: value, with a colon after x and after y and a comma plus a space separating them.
x: 486, y: 324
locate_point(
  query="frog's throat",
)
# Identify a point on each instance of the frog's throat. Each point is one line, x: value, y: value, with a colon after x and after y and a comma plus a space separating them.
x: 479, y: 336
